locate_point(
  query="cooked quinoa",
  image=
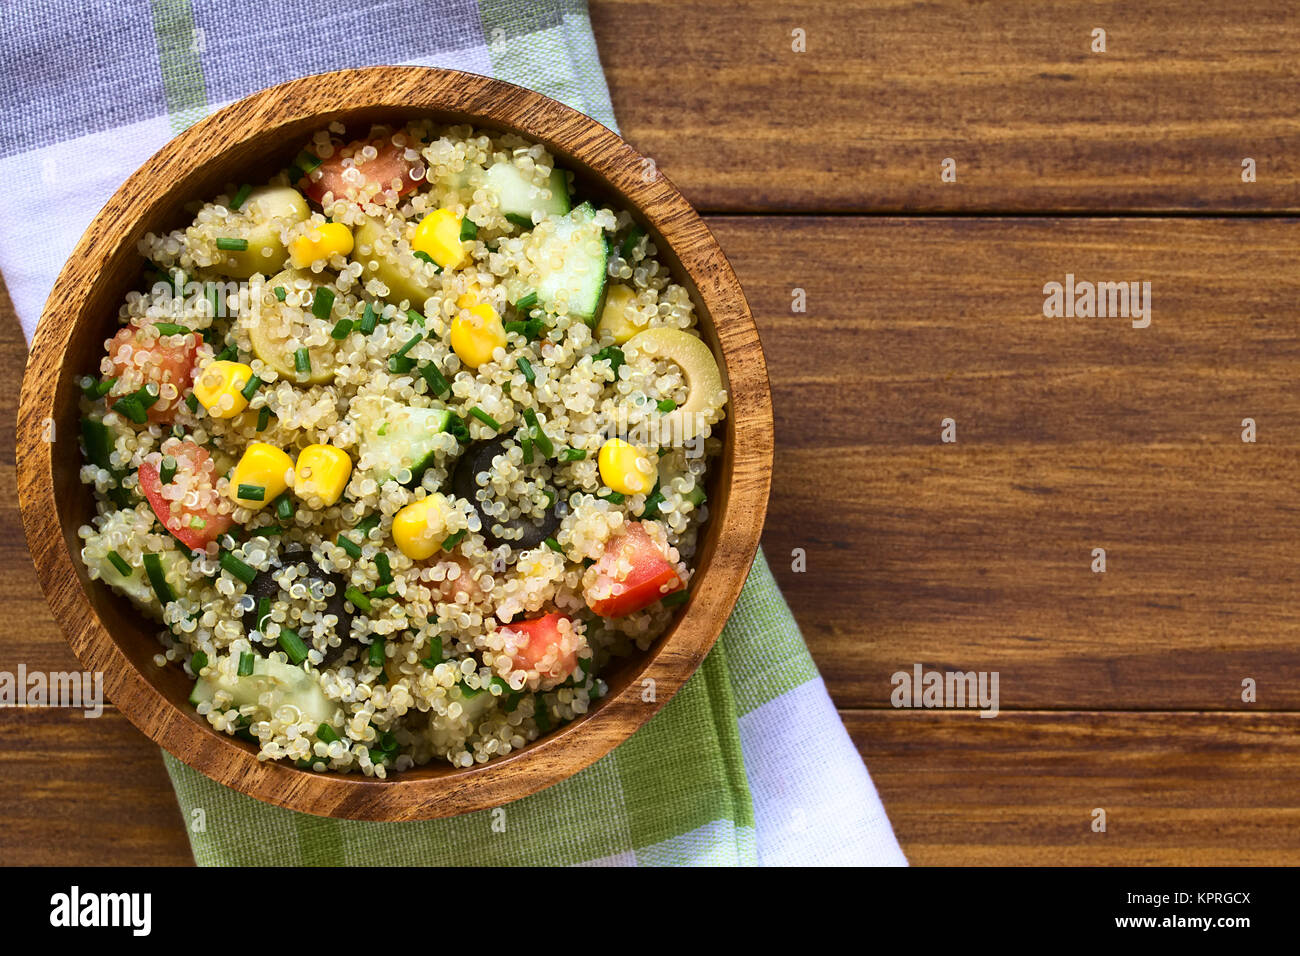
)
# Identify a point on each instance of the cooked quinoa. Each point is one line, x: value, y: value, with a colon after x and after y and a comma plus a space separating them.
x: 400, y: 448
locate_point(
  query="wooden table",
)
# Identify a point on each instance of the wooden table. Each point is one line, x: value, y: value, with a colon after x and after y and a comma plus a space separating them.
x: 821, y: 171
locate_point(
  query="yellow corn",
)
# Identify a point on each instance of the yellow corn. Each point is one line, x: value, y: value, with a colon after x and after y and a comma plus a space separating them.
x: 476, y: 337
x: 438, y: 237
x: 320, y: 242
x: 420, y: 527
x: 619, y: 319
x: 322, y: 471
x: 263, y: 466
x: 220, y: 388
x: 620, y: 468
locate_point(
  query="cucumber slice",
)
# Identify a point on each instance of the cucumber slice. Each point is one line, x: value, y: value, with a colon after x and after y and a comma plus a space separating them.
x: 518, y: 198
x: 136, y: 585
x: 581, y: 277
x: 400, y: 438
x: 285, y: 683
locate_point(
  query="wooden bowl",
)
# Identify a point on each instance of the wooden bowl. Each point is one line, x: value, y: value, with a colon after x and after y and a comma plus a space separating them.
x: 251, y: 139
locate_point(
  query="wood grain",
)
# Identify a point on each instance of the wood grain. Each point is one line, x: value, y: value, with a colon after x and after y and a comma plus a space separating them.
x: 1072, y: 434
x: 1010, y: 90
x: 260, y: 133
x: 1020, y: 789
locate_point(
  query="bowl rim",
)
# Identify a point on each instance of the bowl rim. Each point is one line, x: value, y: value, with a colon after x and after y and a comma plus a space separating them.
x: 595, y: 150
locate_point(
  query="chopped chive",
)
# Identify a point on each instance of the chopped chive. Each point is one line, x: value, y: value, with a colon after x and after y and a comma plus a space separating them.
x: 526, y: 302
x: 652, y: 503
x: 192, y: 402
x: 630, y: 242
x: 541, y: 715
x: 666, y: 405
x: 281, y: 292
x: 171, y: 328
x: 263, y: 418
x: 526, y: 446
x: 98, y: 442
x: 400, y: 364
x: 449, y: 542
x: 614, y: 497
x: 119, y: 562
x: 251, y: 492
x: 307, y: 161
x: 293, y: 645
x: 228, y: 244
x: 93, y: 389
x: 424, y: 257
x: 236, y: 567
x: 240, y: 197
x: 246, y: 660
x: 284, y: 507
x: 368, y: 319
x: 385, y: 568
x: 359, y: 600
x: 434, y: 657
x: 526, y: 368
x: 348, y: 545
x: 326, y: 733
x: 532, y: 329
x: 457, y: 429
x: 250, y: 389
x: 410, y: 343
x: 573, y: 454
x: 676, y: 598
x: 438, y: 384
x: 614, y: 355
x: 198, y: 661
x: 228, y: 354
x: 377, y: 655
x: 523, y: 222
x: 544, y: 444
x: 367, y: 524
x: 322, y: 301
x: 485, y: 418
x: 302, y: 360
x: 168, y: 470
x: 263, y: 613
x: 553, y: 545
x: 157, y: 580
x: 341, y: 329
x: 415, y: 317
x: 696, y: 496
x: 468, y: 229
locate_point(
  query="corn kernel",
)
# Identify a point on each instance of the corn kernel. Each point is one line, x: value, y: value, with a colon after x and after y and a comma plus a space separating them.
x: 322, y: 471
x: 475, y: 338
x: 438, y: 237
x: 262, y: 466
x: 627, y: 469
x: 619, y: 319
x: 320, y: 242
x: 220, y: 388
x: 420, y: 527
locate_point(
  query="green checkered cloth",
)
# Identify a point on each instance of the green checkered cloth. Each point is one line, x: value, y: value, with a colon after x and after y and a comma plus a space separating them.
x: 747, y: 764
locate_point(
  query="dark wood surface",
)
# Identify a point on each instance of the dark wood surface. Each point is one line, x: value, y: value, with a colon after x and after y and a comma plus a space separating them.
x: 1119, y: 691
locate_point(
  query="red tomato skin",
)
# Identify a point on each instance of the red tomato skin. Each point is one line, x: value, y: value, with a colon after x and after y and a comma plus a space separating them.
x: 542, y: 633
x: 382, y: 170
x: 644, y: 585
x: 174, y: 364
x: 196, y: 539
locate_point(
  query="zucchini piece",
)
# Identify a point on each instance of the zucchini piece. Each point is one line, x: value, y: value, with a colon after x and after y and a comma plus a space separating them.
x: 581, y: 277
x: 406, y: 276
x: 259, y: 222
x: 518, y: 198
x: 400, y: 438
x: 274, y: 328
x: 693, y: 355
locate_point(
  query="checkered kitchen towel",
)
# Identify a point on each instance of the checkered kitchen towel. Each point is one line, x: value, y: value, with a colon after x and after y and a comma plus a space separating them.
x: 749, y: 763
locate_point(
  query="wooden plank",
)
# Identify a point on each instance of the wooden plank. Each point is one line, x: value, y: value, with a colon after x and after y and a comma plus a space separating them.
x: 1178, y: 789
x: 1073, y: 434
x: 1011, y: 90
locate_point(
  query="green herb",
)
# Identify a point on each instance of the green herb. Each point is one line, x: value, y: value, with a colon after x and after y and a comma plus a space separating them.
x: 438, y: 384
x: 368, y: 319
x: 322, y: 301
x: 614, y: 355
x: 232, y: 245
x: 377, y: 652
x: 544, y: 444
x: 119, y: 562
x: 666, y: 405
x: 326, y: 733
x: 136, y: 405
x: 263, y: 613
x: 526, y: 447
x: 400, y: 364
x: 523, y: 222
x: 457, y: 429
x: 384, y: 567
x: 652, y: 503
x: 307, y: 161
x: 284, y: 507
x: 246, y: 659
x: 236, y: 567
x: 526, y: 302
x: 198, y: 661
x: 228, y: 354
x: 281, y: 292
x: 302, y: 361
x: 526, y: 368
x: 614, y: 497
x: 168, y: 470
x: 98, y: 441
x: 154, y: 571
x: 251, y: 492
x: 424, y: 257
x: 350, y: 546
x: 293, y: 645
x: 240, y: 197
x: 541, y: 715
x: 367, y: 524
x: 359, y: 600
x: 171, y: 328
x: 192, y: 402
x: 531, y: 329
x: 449, y: 542
x: 341, y: 329
x: 553, y: 545
x: 416, y: 317
x: 263, y: 418
x: 468, y: 229
x: 676, y: 598
x: 630, y: 241
x: 93, y: 389
x: 250, y: 388
x: 485, y: 418
x: 573, y: 454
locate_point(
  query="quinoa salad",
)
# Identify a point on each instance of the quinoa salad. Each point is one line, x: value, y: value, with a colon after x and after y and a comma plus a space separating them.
x: 400, y: 448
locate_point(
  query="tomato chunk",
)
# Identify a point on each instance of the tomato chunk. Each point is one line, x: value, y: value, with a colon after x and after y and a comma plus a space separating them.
x: 190, y: 508
x: 169, y: 366
x: 376, y: 176
x: 551, y: 648
x: 633, y: 573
